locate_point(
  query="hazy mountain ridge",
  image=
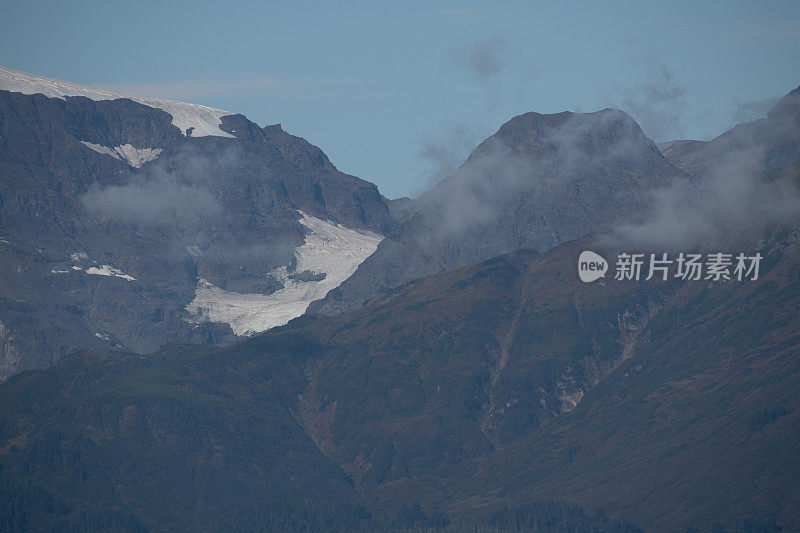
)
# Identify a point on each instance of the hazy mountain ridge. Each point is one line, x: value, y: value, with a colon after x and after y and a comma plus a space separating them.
x: 539, y: 181
x: 776, y: 134
x: 544, y: 179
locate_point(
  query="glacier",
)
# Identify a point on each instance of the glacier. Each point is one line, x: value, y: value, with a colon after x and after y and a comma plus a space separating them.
x: 329, y: 248
x: 205, y: 120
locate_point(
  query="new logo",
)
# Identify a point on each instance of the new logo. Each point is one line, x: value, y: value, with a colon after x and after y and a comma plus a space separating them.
x: 591, y: 266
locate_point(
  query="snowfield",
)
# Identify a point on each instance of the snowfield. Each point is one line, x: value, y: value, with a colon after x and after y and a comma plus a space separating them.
x: 332, y: 249
x: 204, y: 120
x: 108, y: 270
x: 135, y: 157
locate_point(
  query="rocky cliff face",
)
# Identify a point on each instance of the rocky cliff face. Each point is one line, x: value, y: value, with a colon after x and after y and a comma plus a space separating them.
x: 539, y: 181
x: 112, y: 211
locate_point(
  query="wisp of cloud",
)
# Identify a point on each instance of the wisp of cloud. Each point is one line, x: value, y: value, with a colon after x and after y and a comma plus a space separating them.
x: 481, y: 58
x: 150, y: 199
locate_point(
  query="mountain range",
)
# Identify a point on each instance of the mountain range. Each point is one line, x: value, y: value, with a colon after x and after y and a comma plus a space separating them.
x: 461, y: 377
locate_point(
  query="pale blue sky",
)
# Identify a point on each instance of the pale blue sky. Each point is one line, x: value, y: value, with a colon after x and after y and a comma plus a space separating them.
x: 391, y: 91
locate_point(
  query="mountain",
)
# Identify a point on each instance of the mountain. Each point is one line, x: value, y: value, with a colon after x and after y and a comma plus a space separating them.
x: 539, y: 181
x: 131, y: 222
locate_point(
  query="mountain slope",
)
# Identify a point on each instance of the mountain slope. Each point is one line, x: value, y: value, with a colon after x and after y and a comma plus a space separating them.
x: 460, y: 394
x: 695, y: 428
x: 138, y: 426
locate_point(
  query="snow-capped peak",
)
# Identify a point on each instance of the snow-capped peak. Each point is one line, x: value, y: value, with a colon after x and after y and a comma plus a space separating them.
x: 205, y: 120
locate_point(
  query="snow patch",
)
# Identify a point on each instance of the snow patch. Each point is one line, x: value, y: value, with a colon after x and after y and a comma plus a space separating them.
x: 135, y: 157
x: 60, y: 271
x: 332, y: 249
x: 205, y: 120
x: 108, y: 270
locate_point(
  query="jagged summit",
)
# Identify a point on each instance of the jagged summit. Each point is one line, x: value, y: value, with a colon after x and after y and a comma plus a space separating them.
x: 543, y: 135
x: 542, y: 122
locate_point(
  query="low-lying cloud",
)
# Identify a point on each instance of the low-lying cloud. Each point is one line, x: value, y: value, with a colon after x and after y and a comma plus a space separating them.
x: 746, y: 184
x: 731, y: 203
x: 151, y: 199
